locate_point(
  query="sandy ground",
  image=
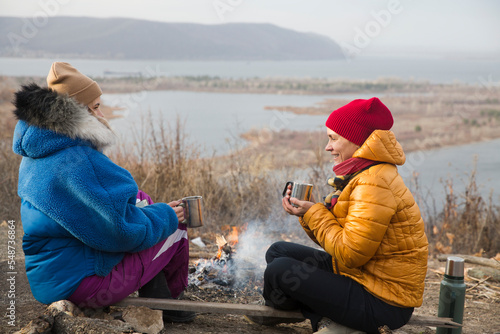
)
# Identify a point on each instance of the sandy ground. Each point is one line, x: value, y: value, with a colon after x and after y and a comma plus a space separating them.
x: 482, y: 310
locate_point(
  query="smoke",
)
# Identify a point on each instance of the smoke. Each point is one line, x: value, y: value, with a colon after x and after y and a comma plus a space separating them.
x: 250, y: 255
x: 251, y: 250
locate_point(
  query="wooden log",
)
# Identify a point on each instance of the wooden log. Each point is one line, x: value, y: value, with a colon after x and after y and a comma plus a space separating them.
x: 492, y: 274
x: 429, y: 320
x: 200, y: 255
x: 472, y: 259
x: 255, y: 310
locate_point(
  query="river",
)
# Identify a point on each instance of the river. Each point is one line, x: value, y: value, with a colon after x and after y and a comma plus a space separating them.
x: 435, y: 70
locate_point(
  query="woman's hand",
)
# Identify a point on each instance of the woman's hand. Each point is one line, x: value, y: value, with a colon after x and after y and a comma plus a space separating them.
x: 179, y: 210
x: 302, y: 206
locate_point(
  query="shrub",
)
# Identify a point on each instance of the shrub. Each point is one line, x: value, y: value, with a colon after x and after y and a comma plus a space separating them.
x: 168, y: 168
x: 468, y: 223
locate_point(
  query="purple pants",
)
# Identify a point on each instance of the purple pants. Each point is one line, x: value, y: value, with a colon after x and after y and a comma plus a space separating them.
x: 136, y: 269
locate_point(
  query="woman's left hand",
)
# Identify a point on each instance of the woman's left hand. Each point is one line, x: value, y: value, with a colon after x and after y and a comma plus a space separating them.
x: 179, y: 210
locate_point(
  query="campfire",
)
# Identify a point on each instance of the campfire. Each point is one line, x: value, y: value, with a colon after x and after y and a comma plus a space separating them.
x: 221, y: 268
x: 230, y: 266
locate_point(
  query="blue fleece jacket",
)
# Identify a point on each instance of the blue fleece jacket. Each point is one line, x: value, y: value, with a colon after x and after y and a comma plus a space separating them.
x: 78, y: 212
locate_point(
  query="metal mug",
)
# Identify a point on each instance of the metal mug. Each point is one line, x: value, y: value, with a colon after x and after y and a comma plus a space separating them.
x: 301, y: 191
x: 193, y: 211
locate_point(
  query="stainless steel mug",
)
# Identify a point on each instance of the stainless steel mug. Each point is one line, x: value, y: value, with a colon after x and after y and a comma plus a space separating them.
x: 301, y: 191
x: 193, y: 211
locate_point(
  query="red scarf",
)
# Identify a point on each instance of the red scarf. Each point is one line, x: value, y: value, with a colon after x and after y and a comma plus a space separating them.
x: 344, y: 172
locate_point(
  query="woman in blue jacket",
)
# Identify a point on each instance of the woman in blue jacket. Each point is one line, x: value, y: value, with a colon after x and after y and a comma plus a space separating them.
x: 85, y: 239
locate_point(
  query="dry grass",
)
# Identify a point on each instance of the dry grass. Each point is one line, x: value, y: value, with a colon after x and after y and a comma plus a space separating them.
x: 168, y: 168
x: 468, y: 224
x: 9, y: 162
x: 9, y: 165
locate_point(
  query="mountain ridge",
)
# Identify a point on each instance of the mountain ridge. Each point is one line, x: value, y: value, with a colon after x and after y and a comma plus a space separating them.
x: 126, y: 38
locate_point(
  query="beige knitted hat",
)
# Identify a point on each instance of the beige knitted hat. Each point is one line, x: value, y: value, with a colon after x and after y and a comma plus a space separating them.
x: 65, y: 79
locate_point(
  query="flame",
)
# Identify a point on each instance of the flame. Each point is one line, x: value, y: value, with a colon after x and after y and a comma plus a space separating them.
x: 221, y: 242
x: 232, y: 238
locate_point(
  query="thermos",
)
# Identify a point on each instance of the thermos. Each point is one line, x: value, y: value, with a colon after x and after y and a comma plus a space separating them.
x: 452, y: 294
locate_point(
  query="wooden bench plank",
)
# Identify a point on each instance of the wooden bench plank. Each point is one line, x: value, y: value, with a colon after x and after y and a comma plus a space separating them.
x: 208, y: 307
x: 255, y: 310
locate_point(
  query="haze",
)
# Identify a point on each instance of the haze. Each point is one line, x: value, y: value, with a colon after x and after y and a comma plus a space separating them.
x: 463, y: 28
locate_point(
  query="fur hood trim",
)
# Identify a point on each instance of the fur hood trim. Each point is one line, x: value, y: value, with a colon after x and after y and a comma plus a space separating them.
x: 45, y: 108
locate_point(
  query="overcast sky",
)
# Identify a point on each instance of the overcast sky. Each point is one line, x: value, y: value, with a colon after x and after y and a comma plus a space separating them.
x: 424, y: 27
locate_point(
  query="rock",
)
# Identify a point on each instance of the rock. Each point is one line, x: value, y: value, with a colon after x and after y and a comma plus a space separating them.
x: 40, y: 325
x: 144, y: 319
x: 65, y: 317
x: 64, y: 306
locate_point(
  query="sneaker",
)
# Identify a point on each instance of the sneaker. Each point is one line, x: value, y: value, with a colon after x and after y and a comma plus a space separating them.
x: 158, y: 288
x: 327, y: 326
x: 270, y: 321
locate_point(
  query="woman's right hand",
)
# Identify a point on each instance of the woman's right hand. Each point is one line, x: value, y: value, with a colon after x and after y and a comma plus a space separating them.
x: 179, y: 210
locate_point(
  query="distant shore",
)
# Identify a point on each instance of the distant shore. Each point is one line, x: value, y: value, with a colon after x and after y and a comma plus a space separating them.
x: 426, y: 115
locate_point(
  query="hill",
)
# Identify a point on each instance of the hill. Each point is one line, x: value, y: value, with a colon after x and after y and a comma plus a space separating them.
x: 124, y: 38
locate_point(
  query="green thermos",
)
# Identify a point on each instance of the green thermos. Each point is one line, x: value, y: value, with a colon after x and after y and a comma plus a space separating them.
x: 452, y: 294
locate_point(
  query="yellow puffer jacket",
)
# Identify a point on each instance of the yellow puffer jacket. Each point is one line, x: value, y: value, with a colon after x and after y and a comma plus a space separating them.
x: 375, y: 232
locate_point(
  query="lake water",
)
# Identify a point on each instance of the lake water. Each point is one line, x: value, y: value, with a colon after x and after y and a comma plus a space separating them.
x: 215, y: 120
x: 435, y: 167
x: 211, y: 119
x: 436, y: 70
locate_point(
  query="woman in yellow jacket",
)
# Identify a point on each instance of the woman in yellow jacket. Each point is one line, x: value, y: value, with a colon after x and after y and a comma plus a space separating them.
x: 372, y: 270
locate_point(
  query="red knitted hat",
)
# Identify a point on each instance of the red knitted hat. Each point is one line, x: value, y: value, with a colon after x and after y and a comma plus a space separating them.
x: 358, y: 119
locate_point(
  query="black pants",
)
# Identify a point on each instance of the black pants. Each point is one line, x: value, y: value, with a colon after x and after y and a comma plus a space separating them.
x: 300, y: 277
